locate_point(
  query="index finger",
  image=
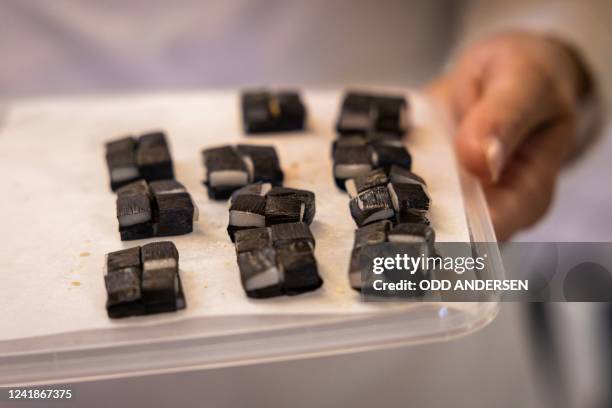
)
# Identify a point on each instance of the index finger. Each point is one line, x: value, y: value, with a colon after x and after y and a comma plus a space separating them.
x: 512, y: 105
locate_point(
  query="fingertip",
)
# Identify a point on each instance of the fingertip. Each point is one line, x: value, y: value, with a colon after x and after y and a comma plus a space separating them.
x: 472, y: 154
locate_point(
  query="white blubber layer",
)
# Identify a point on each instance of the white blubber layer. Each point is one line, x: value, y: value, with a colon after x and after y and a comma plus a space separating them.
x: 261, y: 190
x: 248, y: 162
x: 246, y: 219
x: 119, y: 174
x: 375, y: 158
x: 351, y: 189
x: 155, y: 264
x: 133, y: 219
x: 196, y: 210
x: 346, y: 171
x: 355, y: 120
x: 173, y: 191
x: 393, y: 195
x: 267, y: 278
x: 265, y: 189
x: 229, y: 178
x: 406, y: 239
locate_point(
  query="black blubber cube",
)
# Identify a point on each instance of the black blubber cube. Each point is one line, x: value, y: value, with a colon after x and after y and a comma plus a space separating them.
x: 143, y: 280
x: 298, y: 267
x: 264, y: 111
x: 175, y: 208
x: 153, y: 157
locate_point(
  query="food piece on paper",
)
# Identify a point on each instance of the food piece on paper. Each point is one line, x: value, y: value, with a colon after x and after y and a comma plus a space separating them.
x: 145, y: 157
x: 266, y: 112
x: 355, y: 157
x: 135, y: 211
x: 143, y: 280
x: 366, y: 114
x: 257, y: 205
x: 277, y: 260
x: 382, y: 239
x: 374, y: 197
x: 161, y: 208
x: 229, y: 168
x: 175, y: 209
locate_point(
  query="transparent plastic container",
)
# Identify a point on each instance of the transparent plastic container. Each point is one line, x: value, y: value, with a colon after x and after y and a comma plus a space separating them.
x: 211, y: 342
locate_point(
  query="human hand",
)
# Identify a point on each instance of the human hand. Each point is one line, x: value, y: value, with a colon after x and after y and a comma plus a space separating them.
x: 514, y: 97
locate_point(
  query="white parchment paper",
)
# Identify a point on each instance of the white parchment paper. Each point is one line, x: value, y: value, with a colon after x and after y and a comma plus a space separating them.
x: 58, y: 213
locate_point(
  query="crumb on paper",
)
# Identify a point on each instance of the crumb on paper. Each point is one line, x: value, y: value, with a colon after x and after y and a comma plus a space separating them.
x: 75, y: 283
x: 84, y: 254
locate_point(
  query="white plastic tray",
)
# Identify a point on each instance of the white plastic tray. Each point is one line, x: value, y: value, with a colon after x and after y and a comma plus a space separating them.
x: 61, y: 223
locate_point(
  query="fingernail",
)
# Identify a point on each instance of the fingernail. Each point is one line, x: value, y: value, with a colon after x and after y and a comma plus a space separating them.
x: 495, y: 158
